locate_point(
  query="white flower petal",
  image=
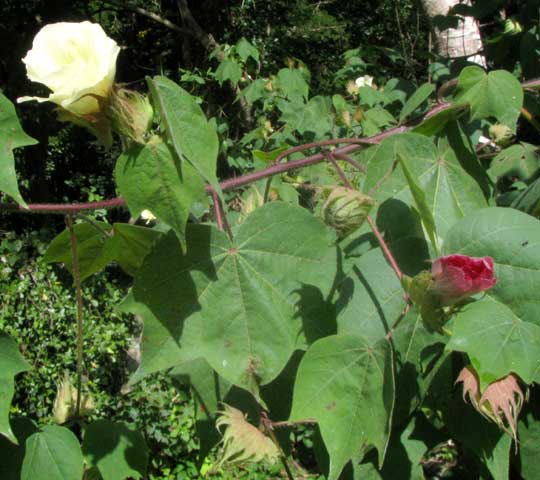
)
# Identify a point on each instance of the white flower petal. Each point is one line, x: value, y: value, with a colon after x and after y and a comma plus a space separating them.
x: 73, y: 60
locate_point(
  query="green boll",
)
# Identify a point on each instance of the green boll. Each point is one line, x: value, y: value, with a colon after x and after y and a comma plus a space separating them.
x: 346, y: 209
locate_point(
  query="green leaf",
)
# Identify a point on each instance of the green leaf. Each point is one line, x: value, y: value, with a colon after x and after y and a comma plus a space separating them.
x: 371, y: 296
x: 254, y: 91
x: 375, y: 120
x: 13, y: 455
x: 451, y: 192
x: 313, y: 117
x: 416, y: 100
x: 438, y: 120
x: 207, y: 384
x: 528, y: 200
x: 529, y: 447
x: 245, y: 49
x: 11, y: 363
x: 520, y: 160
x: 193, y: 138
x: 54, y: 454
x: 99, y: 243
x: 372, y: 97
x: 228, y: 70
x: 269, y: 157
x: 497, y: 94
x: 502, y: 332
x: 152, y: 178
x: 131, y: 244
x: 234, y: 303
x: 116, y: 450
x: 291, y: 82
x: 346, y: 384
x: 421, y: 204
x: 92, y: 251
x: 497, y: 341
x: 11, y: 136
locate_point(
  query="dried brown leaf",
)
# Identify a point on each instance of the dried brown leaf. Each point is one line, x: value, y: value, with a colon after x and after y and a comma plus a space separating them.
x: 502, y: 401
x: 242, y: 441
x: 471, y: 385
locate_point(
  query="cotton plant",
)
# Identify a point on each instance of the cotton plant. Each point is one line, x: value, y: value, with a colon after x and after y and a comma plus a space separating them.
x: 77, y: 62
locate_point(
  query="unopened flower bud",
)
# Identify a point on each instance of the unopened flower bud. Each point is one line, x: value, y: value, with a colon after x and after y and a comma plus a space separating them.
x: 346, y: 209
x: 131, y: 114
x: 457, y: 277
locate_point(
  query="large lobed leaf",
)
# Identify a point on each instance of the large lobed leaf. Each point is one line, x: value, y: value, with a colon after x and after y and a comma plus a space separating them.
x: 116, y: 450
x: 448, y: 173
x: 496, y: 94
x: 243, y: 305
x: 53, y: 453
x: 346, y: 384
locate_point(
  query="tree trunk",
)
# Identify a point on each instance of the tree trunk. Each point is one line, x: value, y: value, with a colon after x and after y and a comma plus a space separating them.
x: 464, y: 41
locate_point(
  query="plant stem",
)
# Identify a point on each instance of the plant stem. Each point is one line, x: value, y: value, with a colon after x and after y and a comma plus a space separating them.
x: 78, y: 294
x: 267, y: 424
x: 530, y: 118
x: 221, y: 217
x: 385, y: 249
x: 378, y: 235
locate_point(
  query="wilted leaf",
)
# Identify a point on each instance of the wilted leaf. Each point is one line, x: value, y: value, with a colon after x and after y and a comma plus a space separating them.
x: 242, y: 441
x: 502, y: 402
x: 471, y: 385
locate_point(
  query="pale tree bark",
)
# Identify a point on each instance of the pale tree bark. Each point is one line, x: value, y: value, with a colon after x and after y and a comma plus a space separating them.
x: 463, y: 41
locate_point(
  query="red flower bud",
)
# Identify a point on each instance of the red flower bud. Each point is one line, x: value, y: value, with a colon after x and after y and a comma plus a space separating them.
x: 456, y: 277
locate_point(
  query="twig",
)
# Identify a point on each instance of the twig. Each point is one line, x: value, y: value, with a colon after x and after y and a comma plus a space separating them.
x: 530, y: 118
x: 268, y: 427
x: 221, y: 217
x: 385, y: 249
x: 350, y: 160
x: 78, y: 293
x: 154, y: 16
x: 388, y: 254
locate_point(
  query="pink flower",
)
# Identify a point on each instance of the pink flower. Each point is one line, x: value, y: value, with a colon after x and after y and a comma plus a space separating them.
x: 456, y: 277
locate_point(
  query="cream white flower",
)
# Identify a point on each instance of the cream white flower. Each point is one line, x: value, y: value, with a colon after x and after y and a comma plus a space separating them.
x: 76, y: 61
x: 365, y: 81
x: 147, y: 216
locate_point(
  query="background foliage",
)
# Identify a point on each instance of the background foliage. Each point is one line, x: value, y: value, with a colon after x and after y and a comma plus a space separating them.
x: 291, y: 64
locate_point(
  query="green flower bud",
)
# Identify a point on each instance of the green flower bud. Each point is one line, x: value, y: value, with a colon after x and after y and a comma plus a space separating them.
x: 131, y: 114
x: 420, y: 290
x: 346, y: 209
x: 500, y: 134
x: 418, y: 286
